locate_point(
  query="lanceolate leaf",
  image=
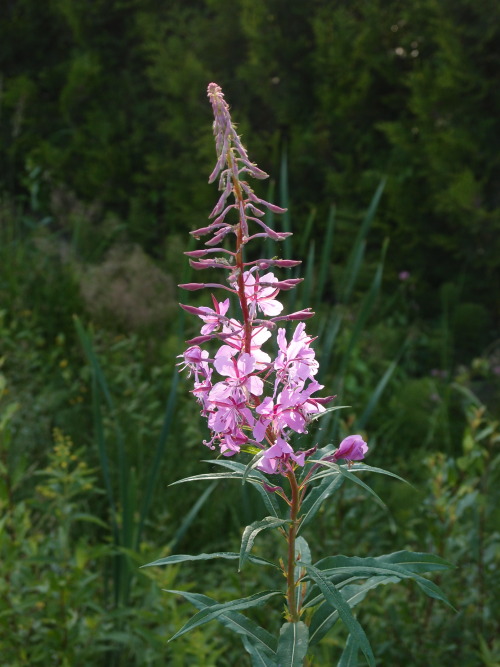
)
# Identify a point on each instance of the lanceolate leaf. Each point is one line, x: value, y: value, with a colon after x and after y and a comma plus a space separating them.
x: 216, y: 610
x: 236, y: 622
x: 251, y: 466
x: 349, y: 657
x: 334, y: 598
x: 317, y: 496
x: 209, y: 475
x: 359, y: 467
x: 293, y: 644
x: 257, y: 479
x: 326, y: 411
x: 367, y: 567
x: 409, y: 561
x: 356, y: 480
x: 251, y: 532
x: 325, y: 616
x: 302, y: 555
x: 230, y: 555
x: 416, y: 561
x: 260, y: 657
x: 334, y: 469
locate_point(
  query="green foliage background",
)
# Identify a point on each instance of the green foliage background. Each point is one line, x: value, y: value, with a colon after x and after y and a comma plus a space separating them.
x: 108, y: 99
x: 105, y: 149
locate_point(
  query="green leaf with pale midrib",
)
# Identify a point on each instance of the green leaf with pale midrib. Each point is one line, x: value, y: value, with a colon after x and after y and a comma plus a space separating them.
x: 349, y: 657
x: 293, y: 644
x: 316, y: 497
x: 354, y: 566
x: 333, y: 596
x: 257, y: 480
x: 251, y: 532
x: 213, y: 612
x: 207, y: 476
x: 229, y: 555
x: 325, y: 617
x: 235, y: 621
x: 420, y: 561
x: 260, y: 657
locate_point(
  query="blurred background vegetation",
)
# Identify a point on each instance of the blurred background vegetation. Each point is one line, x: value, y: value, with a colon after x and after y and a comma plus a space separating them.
x: 379, y: 123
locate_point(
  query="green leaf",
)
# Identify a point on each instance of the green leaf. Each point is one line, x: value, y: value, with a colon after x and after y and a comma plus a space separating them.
x: 331, y: 471
x: 256, y: 479
x: 325, y: 617
x: 318, y: 415
x: 83, y: 516
x: 259, y: 656
x: 302, y: 555
x: 293, y: 644
x: 356, y: 480
x: 207, y: 476
x: 251, y: 466
x: 229, y: 555
x: 334, y: 598
x: 349, y: 657
x: 251, y: 532
x: 406, y: 568
x: 360, y: 467
x: 236, y: 622
x: 317, y: 496
x: 416, y: 561
x: 216, y: 610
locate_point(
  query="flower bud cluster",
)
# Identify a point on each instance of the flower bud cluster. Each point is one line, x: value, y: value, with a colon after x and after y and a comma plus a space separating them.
x: 250, y: 400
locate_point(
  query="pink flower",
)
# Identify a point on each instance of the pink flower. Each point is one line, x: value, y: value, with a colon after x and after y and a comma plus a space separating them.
x: 296, y: 361
x: 236, y: 406
x: 275, y: 458
x: 292, y: 410
x: 236, y: 343
x: 192, y: 358
x: 352, y: 448
x: 260, y: 293
x: 239, y: 375
x: 229, y: 415
x: 212, y: 317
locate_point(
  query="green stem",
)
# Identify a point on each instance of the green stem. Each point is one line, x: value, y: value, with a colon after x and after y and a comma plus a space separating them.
x: 292, y: 533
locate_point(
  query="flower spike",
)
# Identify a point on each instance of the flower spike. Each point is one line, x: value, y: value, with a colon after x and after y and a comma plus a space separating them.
x: 243, y: 404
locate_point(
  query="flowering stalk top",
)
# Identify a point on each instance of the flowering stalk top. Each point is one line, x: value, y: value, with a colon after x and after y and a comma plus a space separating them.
x: 251, y: 401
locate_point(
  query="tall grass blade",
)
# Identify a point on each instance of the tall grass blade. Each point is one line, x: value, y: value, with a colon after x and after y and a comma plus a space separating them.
x: 357, y: 252
x: 191, y: 515
x: 366, y: 309
x: 379, y: 389
x: 308, y: 283
x: 285, y: 202
x: 327, y: 342
x: 326, y: 258
x: 305, y: 236
x: 122, y: 535
x: 367, y: 306
x: 154, y: 470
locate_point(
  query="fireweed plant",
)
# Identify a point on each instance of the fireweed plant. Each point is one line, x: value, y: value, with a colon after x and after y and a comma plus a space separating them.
x: 254, y: 404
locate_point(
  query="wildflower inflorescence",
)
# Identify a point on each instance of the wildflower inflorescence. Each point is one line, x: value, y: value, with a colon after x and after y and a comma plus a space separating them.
x: 251, y: 401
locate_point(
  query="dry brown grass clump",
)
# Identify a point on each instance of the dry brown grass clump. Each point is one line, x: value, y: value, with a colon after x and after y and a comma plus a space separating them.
x: 127, y: 290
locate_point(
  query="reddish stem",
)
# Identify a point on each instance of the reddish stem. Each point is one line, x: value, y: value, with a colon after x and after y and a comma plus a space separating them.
x: 292, y: 534
x: 247, y: 323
